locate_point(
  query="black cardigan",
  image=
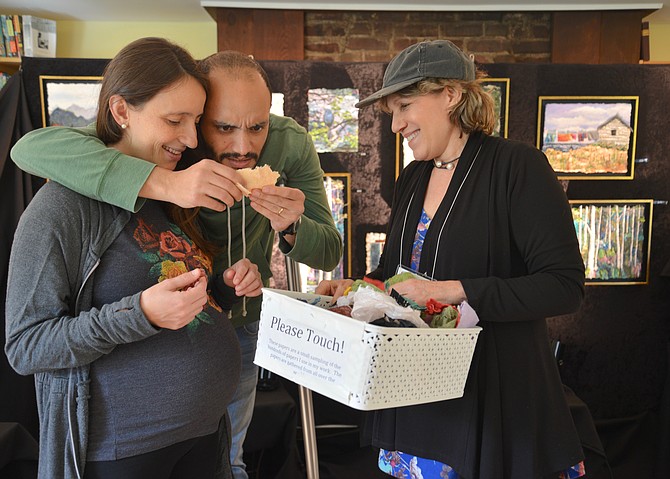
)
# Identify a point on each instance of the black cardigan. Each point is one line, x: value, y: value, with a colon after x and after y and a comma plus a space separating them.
x: 510, y: 240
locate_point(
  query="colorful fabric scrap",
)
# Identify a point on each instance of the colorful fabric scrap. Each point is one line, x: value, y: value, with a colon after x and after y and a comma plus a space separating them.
x: 407, y: 466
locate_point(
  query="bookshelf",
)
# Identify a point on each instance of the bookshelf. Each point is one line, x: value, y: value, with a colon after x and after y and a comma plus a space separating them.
x: 25, y: 35
x: 10, y: 64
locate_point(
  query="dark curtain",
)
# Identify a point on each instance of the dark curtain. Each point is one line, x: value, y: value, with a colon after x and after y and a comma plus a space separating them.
x: 17, y: 393
x: 663, y: 459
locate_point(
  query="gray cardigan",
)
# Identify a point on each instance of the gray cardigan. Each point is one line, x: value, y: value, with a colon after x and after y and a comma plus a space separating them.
x: 51, y: 330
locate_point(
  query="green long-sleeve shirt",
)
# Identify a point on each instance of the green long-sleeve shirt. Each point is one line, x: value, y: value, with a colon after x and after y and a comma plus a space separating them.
x: 76, y: 158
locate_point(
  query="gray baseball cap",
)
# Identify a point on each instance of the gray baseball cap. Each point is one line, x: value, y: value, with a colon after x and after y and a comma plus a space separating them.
x: 434, y: 59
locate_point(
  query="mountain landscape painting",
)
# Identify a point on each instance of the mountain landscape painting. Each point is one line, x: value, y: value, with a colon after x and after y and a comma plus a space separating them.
x: 69, y: 101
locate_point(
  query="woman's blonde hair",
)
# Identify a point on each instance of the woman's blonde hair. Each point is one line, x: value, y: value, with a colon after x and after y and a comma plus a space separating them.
x: 474, y: 112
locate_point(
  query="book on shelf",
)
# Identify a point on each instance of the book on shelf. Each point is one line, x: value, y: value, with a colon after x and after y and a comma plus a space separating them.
x: 3, y: 52
x: 27, y: 35
x: 9, y: 39
x: 644, y: 42
x: 18, y: 32
x: 4, y: 77
x: 39, y: 36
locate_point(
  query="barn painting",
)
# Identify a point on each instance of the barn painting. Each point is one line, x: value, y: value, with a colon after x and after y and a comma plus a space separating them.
x: 588, y: 137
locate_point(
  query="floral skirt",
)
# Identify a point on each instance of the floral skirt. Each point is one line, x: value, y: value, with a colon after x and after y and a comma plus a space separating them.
x: 407, y: 466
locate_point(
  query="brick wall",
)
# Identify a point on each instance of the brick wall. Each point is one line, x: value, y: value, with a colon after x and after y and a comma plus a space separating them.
x: 366, y: 36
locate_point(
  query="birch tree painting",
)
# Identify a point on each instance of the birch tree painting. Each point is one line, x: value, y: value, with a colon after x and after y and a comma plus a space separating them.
x: 614, y: 239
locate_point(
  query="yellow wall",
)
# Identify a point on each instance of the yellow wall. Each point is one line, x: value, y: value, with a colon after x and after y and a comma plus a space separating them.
x: 104, y: 39
x: 659, y: 42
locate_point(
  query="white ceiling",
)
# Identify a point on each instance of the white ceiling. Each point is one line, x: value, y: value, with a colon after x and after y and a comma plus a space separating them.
x: 194, y: 11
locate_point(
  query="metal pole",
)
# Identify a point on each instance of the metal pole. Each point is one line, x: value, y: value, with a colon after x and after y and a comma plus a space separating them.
x: 306, y: 405
x: 309, y: 433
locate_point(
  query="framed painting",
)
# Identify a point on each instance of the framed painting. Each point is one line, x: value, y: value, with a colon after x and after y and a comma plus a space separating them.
x: 69, y: 100
x: 374, y: 246
x: 277, y: 105
x: 333, y: 119
x: 588, y: 137
x: 614, y: 239
x: 338, y: 191
x: 498, y: 88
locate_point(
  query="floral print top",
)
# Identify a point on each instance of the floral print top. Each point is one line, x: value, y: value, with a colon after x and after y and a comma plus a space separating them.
x: 421, y: 230
x: 408, y: 466
x: 174, y: 385
x: 170, y: 254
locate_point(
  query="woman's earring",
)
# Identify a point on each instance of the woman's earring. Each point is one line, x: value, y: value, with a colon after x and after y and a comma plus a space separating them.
x: 123, y: 126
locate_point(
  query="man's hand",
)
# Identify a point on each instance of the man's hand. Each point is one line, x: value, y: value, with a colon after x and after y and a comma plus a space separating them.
x: 206, y: 183
x: 174, y: 302
x: 280, y: 204
x: 244, y: 277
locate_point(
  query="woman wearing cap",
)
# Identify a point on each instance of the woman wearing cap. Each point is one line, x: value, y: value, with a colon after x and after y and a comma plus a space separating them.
x: 487, y: 219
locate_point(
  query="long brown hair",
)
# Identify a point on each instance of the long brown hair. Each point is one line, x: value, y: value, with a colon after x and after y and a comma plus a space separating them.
x: 141, y: 70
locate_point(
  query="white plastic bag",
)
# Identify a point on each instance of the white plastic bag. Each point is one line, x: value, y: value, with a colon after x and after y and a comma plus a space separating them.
x: 469, y: 318
x: 370, y: 304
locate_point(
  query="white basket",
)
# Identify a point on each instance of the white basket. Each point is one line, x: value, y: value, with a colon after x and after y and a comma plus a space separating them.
x: 358, y: 364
